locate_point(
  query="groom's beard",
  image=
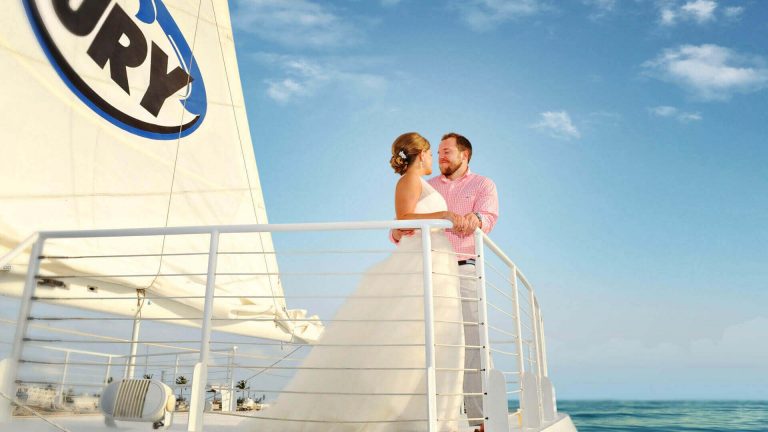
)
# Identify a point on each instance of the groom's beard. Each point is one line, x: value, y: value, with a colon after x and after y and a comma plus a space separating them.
x: 450, y: 169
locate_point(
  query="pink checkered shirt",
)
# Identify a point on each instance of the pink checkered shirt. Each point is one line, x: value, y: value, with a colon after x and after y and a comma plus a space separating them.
x: 468, y: 194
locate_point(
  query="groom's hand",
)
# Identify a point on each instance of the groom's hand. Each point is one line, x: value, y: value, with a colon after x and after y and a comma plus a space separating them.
x: 465, y: 225
x: 471, y: 223
x: 459, y: 223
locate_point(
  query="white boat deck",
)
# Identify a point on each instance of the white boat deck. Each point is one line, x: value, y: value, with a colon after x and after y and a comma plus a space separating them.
x: 214, y: 422
x: 95, y: 422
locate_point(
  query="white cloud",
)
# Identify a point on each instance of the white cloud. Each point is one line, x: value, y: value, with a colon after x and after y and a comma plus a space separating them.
x: 698, y: 11
x: 601, y: 8
x: 285, y: 90
x: 663, y: 111
x: 686, y: 117
x: 484, y: 15
x: 296, y: 23
x: 733, y: 12
x: 709, y: 72
x: 672, y: 112
x: 303, y: 77
x: 557, y: 124
x: 668, y: 17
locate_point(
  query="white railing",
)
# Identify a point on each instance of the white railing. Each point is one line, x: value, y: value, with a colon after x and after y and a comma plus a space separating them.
x: 509, y: 323
x: 516, y: 321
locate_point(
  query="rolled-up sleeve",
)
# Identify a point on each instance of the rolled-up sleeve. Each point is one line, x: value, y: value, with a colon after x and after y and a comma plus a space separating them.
x: 487, y: 204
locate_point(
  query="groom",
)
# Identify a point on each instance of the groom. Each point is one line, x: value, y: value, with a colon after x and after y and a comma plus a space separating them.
x: 475, y: 197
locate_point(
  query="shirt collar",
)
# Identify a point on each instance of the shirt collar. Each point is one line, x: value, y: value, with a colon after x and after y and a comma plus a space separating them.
x: 466, y: 175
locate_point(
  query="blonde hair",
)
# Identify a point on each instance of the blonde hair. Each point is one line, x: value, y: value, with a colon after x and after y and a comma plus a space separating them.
x: 405, y: 149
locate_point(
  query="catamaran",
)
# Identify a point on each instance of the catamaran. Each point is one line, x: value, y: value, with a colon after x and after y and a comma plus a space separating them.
x: 136, y: 253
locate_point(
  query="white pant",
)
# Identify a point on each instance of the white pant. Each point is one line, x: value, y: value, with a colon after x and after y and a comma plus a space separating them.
x: 473, y: 405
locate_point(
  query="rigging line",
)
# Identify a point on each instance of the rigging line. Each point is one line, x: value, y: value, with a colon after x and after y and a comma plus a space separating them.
x: 276, y: 362
x: 34, y: 413
x: 178, y: 146
x: 245, y: 163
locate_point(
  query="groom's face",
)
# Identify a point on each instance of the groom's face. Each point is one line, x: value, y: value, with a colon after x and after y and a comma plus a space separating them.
x: 450, y: 158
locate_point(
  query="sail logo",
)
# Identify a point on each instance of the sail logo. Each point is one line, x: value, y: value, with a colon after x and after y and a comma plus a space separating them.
x: 127, y: 60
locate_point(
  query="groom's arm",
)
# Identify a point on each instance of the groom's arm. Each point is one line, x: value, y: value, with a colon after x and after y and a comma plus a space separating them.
x: 486, y: 208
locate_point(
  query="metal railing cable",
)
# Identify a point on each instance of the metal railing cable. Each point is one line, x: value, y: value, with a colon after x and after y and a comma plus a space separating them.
x: 500, y: 291
x: 524, y: 308
x: 49, y: 298
x: 500, y: 310
x: 526, y: 336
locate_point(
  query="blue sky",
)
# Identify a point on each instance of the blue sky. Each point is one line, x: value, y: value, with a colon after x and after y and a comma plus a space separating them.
x: 626, y: 139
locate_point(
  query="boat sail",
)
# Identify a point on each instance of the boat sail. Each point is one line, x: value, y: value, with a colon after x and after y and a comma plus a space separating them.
x: 121, y: 114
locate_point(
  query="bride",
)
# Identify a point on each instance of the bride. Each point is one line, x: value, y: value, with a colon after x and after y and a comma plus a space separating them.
x: 374, y: 345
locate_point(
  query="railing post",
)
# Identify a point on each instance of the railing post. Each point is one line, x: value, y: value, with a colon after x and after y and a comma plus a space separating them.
x: 544, y: 367
x: 130, y: 372
x: 539, y: 341
x: 9, y: 367
x: 109, y: 370
x: 64, y: 378
x: 536, y: 347
x: 548, y: 399
x: 429, y: 329
x: 518, y: 325
x: 176, y: 369
x: 200, y: 376
x: 482, y: 315
x: 231, y: 380
x: 524, y: 419
x: 536, y: 336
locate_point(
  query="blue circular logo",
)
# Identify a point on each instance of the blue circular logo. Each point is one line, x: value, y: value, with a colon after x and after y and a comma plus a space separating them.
x: 128, y: 68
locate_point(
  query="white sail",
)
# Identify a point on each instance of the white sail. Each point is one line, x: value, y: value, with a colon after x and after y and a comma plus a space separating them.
x: 120, y: 114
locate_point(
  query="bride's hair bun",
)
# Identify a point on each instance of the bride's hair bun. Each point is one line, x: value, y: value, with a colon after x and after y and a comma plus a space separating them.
x: 405, y: 149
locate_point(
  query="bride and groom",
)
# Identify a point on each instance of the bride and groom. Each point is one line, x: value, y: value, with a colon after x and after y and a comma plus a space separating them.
x: 366, y: 372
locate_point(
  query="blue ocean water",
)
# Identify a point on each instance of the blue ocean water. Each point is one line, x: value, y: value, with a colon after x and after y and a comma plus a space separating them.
x: 677, y: 416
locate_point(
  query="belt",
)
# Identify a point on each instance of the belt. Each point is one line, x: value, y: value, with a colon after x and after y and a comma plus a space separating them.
x: 470, y: 261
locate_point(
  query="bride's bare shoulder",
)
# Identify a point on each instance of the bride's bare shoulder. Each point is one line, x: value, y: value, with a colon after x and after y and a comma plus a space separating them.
x: 408, y: 186
x: 409, y: 183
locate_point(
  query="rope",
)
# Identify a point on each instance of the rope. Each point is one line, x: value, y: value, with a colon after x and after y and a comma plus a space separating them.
x: 245, y: 164
x: 273, y: 364
x: 176, y: 156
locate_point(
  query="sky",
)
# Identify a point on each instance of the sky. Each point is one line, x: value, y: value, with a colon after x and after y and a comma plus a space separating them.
x: 625, y: 137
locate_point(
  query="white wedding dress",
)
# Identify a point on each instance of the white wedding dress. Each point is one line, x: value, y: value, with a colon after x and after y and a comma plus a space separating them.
x: 318, y: 400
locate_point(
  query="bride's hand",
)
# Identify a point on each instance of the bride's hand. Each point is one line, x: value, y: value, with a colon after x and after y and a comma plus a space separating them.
x: 457, y: 220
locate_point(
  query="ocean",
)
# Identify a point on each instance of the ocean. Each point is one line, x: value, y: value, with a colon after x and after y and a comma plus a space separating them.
x: 677, y: 416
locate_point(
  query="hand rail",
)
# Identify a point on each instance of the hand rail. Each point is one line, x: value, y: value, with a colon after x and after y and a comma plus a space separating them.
x: 231, y: 229
x: 529, y: 345
x: 533, y: 391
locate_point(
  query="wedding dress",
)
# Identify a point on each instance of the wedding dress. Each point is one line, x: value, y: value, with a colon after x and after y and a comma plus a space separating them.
x: 389, y: 394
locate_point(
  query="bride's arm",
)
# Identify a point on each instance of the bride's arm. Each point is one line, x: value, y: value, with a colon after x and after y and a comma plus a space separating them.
x: 407, y: 195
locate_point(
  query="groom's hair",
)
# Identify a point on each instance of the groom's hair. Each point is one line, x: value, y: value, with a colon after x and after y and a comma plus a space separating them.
x: 461, y: 142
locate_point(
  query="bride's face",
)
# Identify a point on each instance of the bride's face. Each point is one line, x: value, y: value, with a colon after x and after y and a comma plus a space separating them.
x: 426, y: 156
